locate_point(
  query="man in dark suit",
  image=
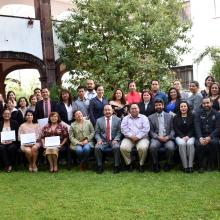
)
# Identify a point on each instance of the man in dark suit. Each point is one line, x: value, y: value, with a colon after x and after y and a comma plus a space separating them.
x: 207, y: 129
x: 162, y: 133
x: 45, y: 106
x: 108, y: 135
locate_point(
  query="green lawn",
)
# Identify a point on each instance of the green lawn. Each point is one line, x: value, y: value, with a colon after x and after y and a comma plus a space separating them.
x: 76, y: 195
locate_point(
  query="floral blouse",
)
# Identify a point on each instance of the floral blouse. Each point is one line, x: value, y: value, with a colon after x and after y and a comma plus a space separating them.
x: 60, y: 130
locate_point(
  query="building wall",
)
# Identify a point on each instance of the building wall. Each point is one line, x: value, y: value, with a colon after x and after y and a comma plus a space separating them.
x: 205, y: 32
x: 17, y: 36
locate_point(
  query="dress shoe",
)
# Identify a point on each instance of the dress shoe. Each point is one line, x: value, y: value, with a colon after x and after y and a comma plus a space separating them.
x: 129, y: 168
x: 99, y: 170
x: 156, y: 168
x: 201, y: 170
x: 166, y: 167
x: 116, y: 170
x: 141, y: 169
x: 82, y: 166
x: 190, y: 170
x: 185, y: 170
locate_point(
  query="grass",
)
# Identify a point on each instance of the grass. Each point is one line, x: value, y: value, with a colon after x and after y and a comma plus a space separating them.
x: 76, y: 195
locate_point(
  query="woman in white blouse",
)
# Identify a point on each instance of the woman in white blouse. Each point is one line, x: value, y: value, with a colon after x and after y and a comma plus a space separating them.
x: 66, y: 106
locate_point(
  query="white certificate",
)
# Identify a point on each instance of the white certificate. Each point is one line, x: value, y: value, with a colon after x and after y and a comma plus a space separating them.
x: 42, y: 122
x: 53, y: 141
x: 8, y: 136
x: 28, y: 138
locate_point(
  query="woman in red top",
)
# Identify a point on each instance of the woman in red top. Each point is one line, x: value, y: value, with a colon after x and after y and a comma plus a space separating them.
x: 133, y: 96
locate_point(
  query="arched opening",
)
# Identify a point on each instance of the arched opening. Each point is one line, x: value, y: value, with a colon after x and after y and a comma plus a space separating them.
x: 18, y: 10
x: 22, y: 82
x: 11, y: 61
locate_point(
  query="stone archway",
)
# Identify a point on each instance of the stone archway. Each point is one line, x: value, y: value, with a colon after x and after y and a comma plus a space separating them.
x: 10, y: 61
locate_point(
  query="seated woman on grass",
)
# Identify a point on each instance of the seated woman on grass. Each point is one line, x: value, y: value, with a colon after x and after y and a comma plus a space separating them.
x: 30, y: 150
x: 54, y: 128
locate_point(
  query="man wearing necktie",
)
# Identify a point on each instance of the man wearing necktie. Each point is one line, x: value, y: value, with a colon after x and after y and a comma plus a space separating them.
x: 45, y: 106
x: 108, y: 136
x: 162, y: 133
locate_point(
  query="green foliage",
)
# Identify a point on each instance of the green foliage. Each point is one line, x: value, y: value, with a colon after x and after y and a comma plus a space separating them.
x: 214, y: 54
x: 216, y: 70
x: 54, y: 92
x: 116, y: 41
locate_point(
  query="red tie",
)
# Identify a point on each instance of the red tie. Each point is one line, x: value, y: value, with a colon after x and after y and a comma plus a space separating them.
x: 108, y: 130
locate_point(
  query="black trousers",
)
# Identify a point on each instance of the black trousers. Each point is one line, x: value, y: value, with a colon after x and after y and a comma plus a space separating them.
x: 206, y: 153
x: 8, y: 153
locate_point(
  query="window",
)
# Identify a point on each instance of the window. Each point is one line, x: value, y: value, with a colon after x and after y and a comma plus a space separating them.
x: 186, y: 11
x: 184, y: 74
x: 217, y: 8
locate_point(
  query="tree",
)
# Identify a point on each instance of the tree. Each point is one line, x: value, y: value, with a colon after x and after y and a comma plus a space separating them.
x: 214, y: 54
x: 120, y: 40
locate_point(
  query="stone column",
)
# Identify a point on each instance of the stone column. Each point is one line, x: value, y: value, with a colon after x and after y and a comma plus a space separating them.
x: 2, y: 81
x: 43, y: 12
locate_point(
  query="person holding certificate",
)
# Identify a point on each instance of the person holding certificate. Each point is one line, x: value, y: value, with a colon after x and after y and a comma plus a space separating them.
x: 53, y: 129
x: 29, y: 135
x: 8, y: 145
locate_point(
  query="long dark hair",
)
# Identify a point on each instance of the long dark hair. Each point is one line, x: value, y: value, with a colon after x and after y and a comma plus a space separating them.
x: 123, y: 100
x: 18, y: 104
x: 178, y: 94
x: 70, y: 100
x: 214, y: 83
x: 188, y: 106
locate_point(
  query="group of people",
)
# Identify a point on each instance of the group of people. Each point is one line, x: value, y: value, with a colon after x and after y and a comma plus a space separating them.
x: 148, y: 121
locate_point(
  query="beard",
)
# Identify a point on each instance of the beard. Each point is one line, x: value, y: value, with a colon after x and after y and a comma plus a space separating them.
x: 159, y: 110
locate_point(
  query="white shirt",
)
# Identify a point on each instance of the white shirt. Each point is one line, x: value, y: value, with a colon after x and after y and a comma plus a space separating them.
x: 69, y: 110
x: 90, y: 95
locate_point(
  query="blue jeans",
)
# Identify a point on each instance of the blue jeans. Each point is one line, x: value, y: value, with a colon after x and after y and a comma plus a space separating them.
x: 83, y: 151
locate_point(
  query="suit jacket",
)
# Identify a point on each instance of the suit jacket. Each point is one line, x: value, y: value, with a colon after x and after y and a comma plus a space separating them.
x: 207, y: 125
x: 61, y: 109
x: 100, y: 129
x: 150, y: 108
x: 96, y: 109
x: 39, y: 110
x: 17, y: 116
x: 168, y: 124
x: 14, y: 127
x: 184, y: 127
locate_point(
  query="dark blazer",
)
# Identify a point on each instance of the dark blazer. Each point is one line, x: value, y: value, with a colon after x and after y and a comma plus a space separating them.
x: 17, y: 116
x: 61, y: 109
x: 150, y: 108
x: 96, y: 109
x: 183, y: 127
x: 14, y: 126
x: 207, y: 125
x: 39, y: 110
x: 100, y: 129
x: 168, y: 124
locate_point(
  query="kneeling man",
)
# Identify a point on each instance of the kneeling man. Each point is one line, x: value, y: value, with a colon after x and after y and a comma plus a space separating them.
x: 135, y: 128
